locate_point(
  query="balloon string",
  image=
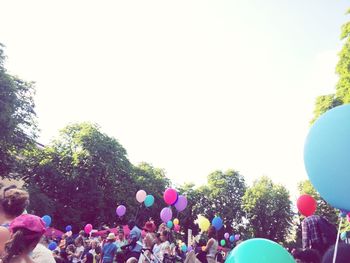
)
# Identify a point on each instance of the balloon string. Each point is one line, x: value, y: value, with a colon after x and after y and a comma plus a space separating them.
x: 137, y: 211
x: 337, y: 241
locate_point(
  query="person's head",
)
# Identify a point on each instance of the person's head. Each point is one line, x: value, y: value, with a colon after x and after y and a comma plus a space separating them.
x: 211, y: 232
x: 306, y: 256
x: 93, y: 244
x: 26, y: 232
x: 14, y: 201
x: 164, y: 236
x: 111, y: 237
x: 121, y: 233
x: 149, y: 240
x: 88, y: 258
x: 157, y: 238
x: 343, y: 254
x: 70, y: 249
x: 82, y: 233
x: 78, y: 241
x: 131, y: 224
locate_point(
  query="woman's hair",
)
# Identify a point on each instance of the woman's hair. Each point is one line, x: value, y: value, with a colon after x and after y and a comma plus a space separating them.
x: 212, y: 232
x: 20, y: 241
x: 89, y: 258
x: 79, y: 241
x: 14, y: 202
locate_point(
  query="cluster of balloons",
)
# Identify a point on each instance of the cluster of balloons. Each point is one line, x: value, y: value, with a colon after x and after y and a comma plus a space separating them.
x: 175, y: 223
x: 259, y: 250
x: 171, y: 197
x: 306, y: 205
x: 121, y: 210
x: 143, y: 197
x: 326, y: 156
x: 232, y: 238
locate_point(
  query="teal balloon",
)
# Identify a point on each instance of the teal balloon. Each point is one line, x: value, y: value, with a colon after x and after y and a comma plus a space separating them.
x: 327, y: 156
x: 169, y: 224
x: 184, y: 248
x: 259, y: 250
x: 149, y: 201
x: 343, y: 236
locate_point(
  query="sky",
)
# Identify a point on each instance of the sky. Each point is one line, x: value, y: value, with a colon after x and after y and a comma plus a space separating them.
x: 188, y: 86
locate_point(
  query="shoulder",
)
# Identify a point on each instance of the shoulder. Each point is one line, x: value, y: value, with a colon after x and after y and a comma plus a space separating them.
x: 41, y: 254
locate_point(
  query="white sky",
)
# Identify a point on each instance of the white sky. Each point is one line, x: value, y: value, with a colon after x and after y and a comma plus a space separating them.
x: 188, y: 86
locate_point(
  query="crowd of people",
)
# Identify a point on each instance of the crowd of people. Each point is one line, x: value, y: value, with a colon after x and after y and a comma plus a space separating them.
x: 22, y: 240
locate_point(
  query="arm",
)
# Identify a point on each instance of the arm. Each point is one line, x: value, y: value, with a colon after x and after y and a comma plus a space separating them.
x: 209, y: 244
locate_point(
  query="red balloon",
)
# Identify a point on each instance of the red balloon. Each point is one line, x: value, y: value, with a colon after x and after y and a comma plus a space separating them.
x: 306, y: 205
x: 170, y: 196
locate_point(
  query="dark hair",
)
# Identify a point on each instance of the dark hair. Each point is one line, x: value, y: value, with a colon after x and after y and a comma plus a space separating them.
x: 307, y: 255
x: 131, y: 223
x: 343, y: 254
x: 212, y: 232
x: 98, y: 250
x: 15, y: 202
x: 89, y: 258
x: 21, y: 240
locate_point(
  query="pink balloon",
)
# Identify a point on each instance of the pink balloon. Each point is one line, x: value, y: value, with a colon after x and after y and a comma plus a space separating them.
x: 237, y: 236
x: 177, y: 228
x: 121, y: 210
x: 170, y: 196
x: 227, y: 235
x: 166, y: 214
x: 181, y: 203
x: 141, y: 196
x: 88, y: 228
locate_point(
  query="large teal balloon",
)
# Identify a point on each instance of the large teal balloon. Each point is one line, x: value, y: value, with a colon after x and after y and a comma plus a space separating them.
x: 259, y: 250
x: 327, y: 156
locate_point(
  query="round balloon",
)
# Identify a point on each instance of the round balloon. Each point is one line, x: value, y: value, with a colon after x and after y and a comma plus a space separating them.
x: 181, y: 203
x: 68, y: 228
x: 203, y: 223
x: 177, y: 228
x: 327, y: 156
x: 223, y: 242
x: 149, y: 201
x: 176, y: 221
x: 343, y: 236
x: 88, y: 228
x: 227, y: 235
x: 169, y: 224
x: 121, y: 210
x: 232, y: 238
x: 237, y: 236
x: 184, y: 248
x: 259, y: 250
x: 170, y: 196
x: 217, y: 222
x: 166, y: 214
x: 141, y: 196
x: 47, y: 220
x: 52, y: 246
x: 306, y: 205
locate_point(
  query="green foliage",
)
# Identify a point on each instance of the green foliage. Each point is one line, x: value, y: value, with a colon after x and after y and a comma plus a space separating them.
x: 325, y: 103
x: 17, y: 119
x: 268, y: 210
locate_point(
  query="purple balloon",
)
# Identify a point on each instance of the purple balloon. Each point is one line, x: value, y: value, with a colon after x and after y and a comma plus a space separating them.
x: 121, y: 210
x: 181, y: 203
x: 227, y: 235
x: 166, y: 214
x: 237, y: 236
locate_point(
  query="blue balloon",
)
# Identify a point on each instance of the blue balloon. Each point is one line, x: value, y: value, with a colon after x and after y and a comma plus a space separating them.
x: 52, y: 246
x: 327, y: 156
x: 68, y: 228
x: 47, y: 220
x: 149, y: 201
x: 343, y: 236
x: 232, y: 238
x: 217, y: 222
x: 259, y: 250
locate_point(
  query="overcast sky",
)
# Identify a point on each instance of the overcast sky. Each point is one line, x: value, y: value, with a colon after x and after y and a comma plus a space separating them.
x: 188, y: 86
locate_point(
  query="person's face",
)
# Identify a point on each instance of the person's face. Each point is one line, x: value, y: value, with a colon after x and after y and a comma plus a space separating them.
x: 163, y: 238
x: 121, y: 236
x: 93, y: 244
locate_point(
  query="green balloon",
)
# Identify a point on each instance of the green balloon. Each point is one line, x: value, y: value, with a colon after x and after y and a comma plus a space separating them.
x: 259, y: 250
x: 223, y: 242
x: 149, y: 201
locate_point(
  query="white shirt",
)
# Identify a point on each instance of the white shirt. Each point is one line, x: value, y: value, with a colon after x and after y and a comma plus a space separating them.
x: 77, y: 251
x: 41, y: 254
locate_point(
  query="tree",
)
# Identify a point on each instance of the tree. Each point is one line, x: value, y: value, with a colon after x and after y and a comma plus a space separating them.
x: 342, y: 93
x: 81, y: 177
x: 268, y: 210
x: 17, y: 119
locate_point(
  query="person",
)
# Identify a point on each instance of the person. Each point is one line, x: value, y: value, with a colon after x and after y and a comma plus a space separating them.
x: 62, y: 244
x: 98, y: 254
x: 109, y: 249
x: 164, y: 246
x: 88, y: 258
x: 318, y: 233
x: 135, y: 241
x: 343, y: 254
x: 70, y: 250
x: 41, y: 254
x: 92, y: 251
x: 306, y: 256
x: 156, y: 247
x: 148, y: 243
x: 120, y: 242
x: 26, y: 232
x: 212, y: 245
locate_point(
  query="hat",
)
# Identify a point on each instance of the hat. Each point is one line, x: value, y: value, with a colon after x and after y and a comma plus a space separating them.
x: 150, y: 226
x: 110, y: 236
x: 30, y: 222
